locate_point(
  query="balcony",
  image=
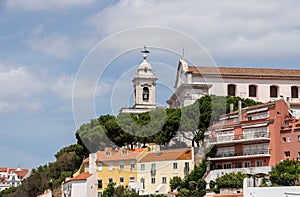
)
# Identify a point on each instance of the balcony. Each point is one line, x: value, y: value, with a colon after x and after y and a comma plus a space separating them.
x: 240, y: 155
x: 262, y: 136
x: 153, y: 172
x: 186, y: 170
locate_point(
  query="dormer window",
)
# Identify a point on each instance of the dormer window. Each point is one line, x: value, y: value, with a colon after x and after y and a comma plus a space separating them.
x: 145, y: 70
x: 124, y: 152
x: 107, y: 154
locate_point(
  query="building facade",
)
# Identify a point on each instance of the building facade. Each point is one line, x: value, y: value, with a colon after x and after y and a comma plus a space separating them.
x: 259, y: 84
x: 157, y: 168
x: 253, y: 139
x: 11, y: 177
x: 83, y: 184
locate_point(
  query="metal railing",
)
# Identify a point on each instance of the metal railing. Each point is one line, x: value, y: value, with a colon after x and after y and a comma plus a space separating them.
x: 231, y: 138
x: 244, y: 153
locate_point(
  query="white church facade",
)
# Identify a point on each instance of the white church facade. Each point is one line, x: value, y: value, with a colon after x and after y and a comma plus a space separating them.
x: 259, y: 84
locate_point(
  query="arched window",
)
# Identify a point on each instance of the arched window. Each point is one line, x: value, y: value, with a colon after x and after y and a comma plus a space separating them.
x: 294, y: 90
x: 145, y: 94
x: 273, y: 91
x: 231, y: 90
x: 252, y: 90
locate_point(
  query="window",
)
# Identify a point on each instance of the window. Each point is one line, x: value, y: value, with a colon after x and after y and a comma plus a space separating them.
x: 238, y: 164
x: 294, y: 90
x: 132, y: 165
x: 186, y: 166
x: 287, y: 153
x: 121, y: 180
x: 247, y: 164
x: 164, y: 180
x: 145, y: 94
x: 227, y: 166
x: 110, y: 180
x: 110, y: 166
x: 132, y: 179
x: 121, y: 164
x: 273, y: 92
x: 99, y: 194
x: 142, y: 180
x: 152, y: 180
x: 100, y: 183
x: 298, y: 154
x: 100, y: 166
x: 124, y: 152
x: 231, y: 90
x: 153, y: 166
x: 289, y: 139
x: 259, y: 163
x: 142, y: 167
x: 175, y: 166
x: 298, y: 138
x: 107, y: 154
x: 284, y: 140
x: 252, y: 91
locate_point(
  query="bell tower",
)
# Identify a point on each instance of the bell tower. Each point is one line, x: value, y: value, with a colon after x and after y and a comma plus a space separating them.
x: 144, y: 84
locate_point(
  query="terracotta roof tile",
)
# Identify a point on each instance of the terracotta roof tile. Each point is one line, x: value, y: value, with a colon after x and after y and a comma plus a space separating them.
x: 117, y: 154
x: 173, y: 154
x: 82, y: 176
x: 263, y: 72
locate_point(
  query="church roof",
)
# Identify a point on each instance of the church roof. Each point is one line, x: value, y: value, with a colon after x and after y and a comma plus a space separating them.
x: 258, y: 72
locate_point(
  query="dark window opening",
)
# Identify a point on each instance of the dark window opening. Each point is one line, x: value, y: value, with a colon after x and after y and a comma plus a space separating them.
x: 231, y: 90
x: 252, y: 91
x: 273, y: 92
x: 145, y: 94
x: 294, y: 92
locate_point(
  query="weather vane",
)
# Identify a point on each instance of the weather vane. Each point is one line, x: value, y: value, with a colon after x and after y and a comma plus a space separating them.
x: 145, y: 50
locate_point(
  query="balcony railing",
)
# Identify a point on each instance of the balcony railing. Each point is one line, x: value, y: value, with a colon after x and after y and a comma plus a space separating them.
x: 153, y: 172
x: 244, y: 153
x: 231, y: 138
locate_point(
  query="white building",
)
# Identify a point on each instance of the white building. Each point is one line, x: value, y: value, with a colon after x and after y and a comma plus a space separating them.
x: 260, y: 84
x: 11, y: 177
x: 85, y: 184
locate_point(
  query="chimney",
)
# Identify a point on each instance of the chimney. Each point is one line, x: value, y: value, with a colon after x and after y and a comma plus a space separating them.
x: 231, y: 106
x: 92, y: 163
x: 240, y: 110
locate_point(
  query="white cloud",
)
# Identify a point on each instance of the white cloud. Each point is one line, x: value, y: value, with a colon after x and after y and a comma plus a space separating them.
x: 227, y: 29
x: 47, y: 4
x: 63, y: 87
x: 53, y: 44
x: 57, y: 44
x: 19, y: 82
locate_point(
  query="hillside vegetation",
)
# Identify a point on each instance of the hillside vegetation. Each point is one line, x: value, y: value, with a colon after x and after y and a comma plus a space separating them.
x: 158, y: 126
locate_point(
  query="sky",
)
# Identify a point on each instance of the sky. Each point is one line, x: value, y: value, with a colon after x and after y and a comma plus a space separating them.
x: 63, y: 63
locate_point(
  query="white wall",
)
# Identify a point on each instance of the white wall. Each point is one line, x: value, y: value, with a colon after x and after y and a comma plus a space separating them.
x: 272, y: 191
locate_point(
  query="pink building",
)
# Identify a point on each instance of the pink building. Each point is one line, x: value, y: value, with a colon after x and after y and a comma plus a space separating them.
x: 253, y: 139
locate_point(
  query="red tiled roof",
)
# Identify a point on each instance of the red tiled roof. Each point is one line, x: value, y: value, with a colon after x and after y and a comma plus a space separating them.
x: 174, y: 154
x: 80, y: 177
x: 264, y: 72
x: 117, y: 154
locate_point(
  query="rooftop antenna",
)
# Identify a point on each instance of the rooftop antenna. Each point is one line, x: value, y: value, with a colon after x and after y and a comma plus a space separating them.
x: 182, y: 51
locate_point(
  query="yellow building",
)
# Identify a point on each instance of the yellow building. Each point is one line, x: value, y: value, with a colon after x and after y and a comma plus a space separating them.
x: 157, y: 168
x: 117, y: 166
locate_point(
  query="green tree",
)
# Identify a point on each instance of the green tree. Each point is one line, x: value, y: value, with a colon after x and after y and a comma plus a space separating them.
x: 231, y: 180
x: 285, y: 173
x: 175, y: 182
